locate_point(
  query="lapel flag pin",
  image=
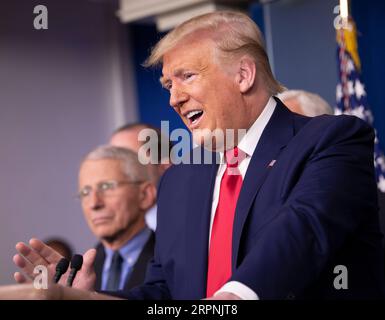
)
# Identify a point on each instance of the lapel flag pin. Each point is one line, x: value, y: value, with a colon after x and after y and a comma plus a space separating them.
x: 272, y: 162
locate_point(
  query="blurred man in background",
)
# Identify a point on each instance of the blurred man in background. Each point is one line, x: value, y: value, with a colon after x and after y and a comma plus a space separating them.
x: 115, y: 192
x: 127, y: 136
x: 115, y: 211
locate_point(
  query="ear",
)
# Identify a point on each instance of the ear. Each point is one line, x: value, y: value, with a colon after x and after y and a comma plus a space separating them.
x: 147, y: 196
x: 246, y: 74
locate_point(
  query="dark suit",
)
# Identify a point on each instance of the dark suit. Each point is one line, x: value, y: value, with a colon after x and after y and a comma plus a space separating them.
x: 316, y: 208
x: 381, y: 204
x: 138, y: 273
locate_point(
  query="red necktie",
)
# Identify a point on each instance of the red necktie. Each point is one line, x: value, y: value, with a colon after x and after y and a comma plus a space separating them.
x: 219, y: 264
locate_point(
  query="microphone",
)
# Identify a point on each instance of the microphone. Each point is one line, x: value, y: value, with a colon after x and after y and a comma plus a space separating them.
x: 76, y: 264
x: 61, y: 269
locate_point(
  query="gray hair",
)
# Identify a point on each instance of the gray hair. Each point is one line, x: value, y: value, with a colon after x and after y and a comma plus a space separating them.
x: 130, y: 164
x: 311, y: 104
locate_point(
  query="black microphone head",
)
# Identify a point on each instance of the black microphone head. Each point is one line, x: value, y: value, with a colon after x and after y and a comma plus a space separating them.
x: 62, y: 265
x: 76, y: 261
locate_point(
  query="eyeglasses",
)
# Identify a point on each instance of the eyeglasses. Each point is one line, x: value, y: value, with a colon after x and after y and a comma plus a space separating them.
x: 104, y: 188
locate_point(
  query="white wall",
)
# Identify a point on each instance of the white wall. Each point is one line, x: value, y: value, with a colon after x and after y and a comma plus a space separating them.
x: 62, y: 92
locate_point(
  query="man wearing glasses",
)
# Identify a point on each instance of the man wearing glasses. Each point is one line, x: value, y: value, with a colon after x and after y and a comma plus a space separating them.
x: 115, y: 192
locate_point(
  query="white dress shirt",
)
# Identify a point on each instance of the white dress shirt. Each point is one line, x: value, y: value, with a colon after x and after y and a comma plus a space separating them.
x: 247, y: 144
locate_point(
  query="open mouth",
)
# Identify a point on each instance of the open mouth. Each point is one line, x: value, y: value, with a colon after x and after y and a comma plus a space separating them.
x: 194, y: 116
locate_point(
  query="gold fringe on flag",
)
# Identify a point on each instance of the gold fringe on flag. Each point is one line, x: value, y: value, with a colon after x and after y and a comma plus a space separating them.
x: 347, y: 39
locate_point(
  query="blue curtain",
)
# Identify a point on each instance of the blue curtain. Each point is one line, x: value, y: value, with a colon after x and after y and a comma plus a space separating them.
x: 370, y: 20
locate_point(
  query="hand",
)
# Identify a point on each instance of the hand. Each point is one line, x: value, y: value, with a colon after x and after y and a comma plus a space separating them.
x: 224, y: 296
x: 38, y: 253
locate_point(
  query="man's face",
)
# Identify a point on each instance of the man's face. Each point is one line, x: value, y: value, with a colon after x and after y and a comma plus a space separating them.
x: 113, y: 212
x: 203, y: 91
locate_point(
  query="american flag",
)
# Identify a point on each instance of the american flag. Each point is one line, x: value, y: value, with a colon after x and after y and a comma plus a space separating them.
x: 350, y: 93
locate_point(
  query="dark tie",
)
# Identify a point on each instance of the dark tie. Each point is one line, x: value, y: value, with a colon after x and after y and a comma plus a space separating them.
x: 115, y: 272
x: 219, y: 264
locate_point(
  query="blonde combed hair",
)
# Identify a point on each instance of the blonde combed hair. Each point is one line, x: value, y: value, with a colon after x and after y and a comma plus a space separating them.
x: 234, y: 34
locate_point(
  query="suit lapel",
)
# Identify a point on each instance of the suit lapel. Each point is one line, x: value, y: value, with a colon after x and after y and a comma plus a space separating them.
x: 276, y: 135
x: 139, y: 270
x: 202, y: 181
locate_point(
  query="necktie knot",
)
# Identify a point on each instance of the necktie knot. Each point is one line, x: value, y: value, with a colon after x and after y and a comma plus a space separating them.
x: 116, y: 259
x: 234, y: 157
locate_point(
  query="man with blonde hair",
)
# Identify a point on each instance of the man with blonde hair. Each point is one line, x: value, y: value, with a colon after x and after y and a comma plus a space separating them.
x: 281, y: 211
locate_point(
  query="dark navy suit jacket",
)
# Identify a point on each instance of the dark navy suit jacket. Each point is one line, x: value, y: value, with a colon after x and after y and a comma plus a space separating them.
x: 316, y: 208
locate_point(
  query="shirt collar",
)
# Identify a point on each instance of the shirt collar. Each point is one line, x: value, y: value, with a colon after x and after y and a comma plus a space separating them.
x: 130, y: 249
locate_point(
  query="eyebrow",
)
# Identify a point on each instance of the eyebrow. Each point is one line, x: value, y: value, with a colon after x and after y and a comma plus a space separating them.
x: 176, y: 73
